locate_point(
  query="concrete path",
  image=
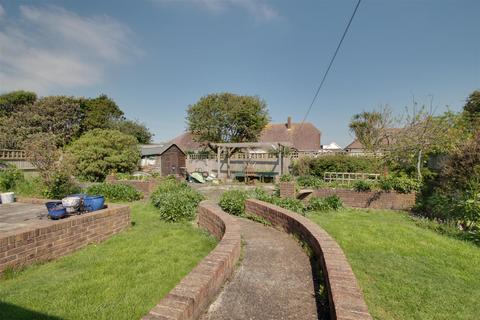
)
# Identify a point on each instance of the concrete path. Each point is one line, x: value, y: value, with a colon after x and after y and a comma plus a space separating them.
x: 273, y: 282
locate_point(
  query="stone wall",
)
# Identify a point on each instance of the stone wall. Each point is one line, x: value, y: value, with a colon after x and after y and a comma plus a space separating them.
x: 191, y: 297
x: 26, y: 246
x: 345, y: 297
x: 370, y: 199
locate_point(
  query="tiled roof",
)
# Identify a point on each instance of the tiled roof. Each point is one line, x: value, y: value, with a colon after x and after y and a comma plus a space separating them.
x: 155, y: 149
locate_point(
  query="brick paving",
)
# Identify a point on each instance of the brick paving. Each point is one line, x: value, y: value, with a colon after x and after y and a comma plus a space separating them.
x: 273, y: 281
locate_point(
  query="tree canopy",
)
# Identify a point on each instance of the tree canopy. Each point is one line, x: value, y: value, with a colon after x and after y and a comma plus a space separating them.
x: 227, y: 117
x: 372, y: 128
x: 101, y: 151
x: 134, y: 128
x: 10, y: 101
x: 99, y: 113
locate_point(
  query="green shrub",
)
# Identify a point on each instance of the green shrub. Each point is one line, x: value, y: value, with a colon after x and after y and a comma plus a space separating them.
x: 30, y: 187
x: 59, y: 186
x: 100, y: 152
x: 176, y: 201
x: 10, y: 177
x: 310, y: 181
x: 291, y: 204
x: 286, y: 178
x: 336, y: 163
x: 362, y: 185
x: 115, y: 192
x: 324, y: 204
x: 400, y: 184
x: 233, y: 202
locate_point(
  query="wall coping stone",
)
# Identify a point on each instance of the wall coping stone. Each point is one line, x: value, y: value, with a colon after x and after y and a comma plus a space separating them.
x: 191, y: 297
x: 346, y: 300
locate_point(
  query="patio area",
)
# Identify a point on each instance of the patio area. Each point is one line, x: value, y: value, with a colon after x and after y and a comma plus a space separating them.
x: 15, y: 216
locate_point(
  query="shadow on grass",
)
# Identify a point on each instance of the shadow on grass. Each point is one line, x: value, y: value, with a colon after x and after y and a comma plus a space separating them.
x: 13, y: 312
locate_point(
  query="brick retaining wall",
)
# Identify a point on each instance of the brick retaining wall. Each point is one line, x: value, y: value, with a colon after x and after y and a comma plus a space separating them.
x: 61, y: 237
x: 146, y: 187
x: 190, y: 298
x: 345, y: 297
x: 370, y: 199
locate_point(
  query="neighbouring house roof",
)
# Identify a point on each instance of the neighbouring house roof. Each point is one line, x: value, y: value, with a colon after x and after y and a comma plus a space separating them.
x: 355, y: 144
x: 331, y: 146
x: 304, y: 137
x: 156, y: 149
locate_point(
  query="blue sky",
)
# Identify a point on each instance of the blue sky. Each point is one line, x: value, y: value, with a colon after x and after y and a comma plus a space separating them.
x: 155, y: 57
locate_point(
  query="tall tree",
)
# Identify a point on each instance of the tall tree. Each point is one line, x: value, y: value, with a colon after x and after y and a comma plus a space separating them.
x: 471, y: 111
x: 372, y: 128
x: 227, y: 117
x: 12, y: 101
x: 99, y: 113
x: 134, y: 128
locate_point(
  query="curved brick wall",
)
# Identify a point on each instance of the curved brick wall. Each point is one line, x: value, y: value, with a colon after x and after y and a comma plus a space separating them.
x: 345, y: 297
x: 190, y: 298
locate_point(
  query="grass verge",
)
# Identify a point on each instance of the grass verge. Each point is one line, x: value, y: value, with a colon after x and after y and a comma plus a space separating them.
x: 121, y: 278
x: 405, y: 271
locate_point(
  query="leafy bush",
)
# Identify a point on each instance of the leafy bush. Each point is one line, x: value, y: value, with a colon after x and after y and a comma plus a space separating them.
x: 286, y: 178
x: 30, y: 187
x: 324, y: 204
x: 233, y: 202
x: 336, y: 163
x: 9, y: 178
x: 99, y: 152
x: 310, y: 181
x: 115, y: 192
x: 362, y: 185
x: 176, y: 201
x: 59, y: 186
x: 400, y: 184
x: 291, y: 204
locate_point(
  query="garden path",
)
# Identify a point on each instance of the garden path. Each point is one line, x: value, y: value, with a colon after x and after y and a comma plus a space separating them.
x: 273, y: 281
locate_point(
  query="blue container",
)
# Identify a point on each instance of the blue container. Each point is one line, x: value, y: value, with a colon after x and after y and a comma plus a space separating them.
x: 93, y: 203
x: 52, y: 204
x: 57, y: 212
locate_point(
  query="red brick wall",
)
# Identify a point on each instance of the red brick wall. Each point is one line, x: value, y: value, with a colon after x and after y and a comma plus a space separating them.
x: 146, y: 187
x: 190, y: 298
x: 26, y: 246
x: 287, y: 189
x: 345, y: 297
x: 370, y: 199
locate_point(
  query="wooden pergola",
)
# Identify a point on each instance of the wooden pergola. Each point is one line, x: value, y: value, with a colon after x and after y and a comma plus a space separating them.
x: 229, y: 148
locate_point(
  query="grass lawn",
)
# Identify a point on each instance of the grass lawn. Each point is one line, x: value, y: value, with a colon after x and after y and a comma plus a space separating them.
x: 405, y: 271
x: 121, y: 278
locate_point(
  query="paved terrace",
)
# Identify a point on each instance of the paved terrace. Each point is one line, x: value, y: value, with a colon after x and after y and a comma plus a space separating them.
x: 15, y: 216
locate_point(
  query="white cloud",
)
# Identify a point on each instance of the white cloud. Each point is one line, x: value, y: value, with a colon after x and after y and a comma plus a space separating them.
x: 50, y: 47
x: 259, y: 9
x: 2, y: 12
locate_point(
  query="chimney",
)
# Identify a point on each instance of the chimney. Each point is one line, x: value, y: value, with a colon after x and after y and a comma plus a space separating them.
x: 289, y: 122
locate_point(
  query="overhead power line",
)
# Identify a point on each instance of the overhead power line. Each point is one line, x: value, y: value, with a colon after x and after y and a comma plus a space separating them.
x: 331, y: 63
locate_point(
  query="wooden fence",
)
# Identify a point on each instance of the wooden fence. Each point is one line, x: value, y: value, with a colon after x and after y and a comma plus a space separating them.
x: 6, y: 154
x: 347, y: 177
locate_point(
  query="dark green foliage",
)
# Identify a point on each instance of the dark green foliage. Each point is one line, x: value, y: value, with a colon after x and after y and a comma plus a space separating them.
x: 286, y: 178
x: 115, y: 192
x: 233, y: 202
x: 12, y: 101
x: 362, y: 185
x: 291, y: 204
x: 99, y: 113
x: 324, y: 204
x: 59, y: 186
x: 310, y: 181
x: 100, y: 152
x: 227, y: 117
x: 336, y: 163
x: 134, y: 128
x: 176, y: 201
x: 401, y: 184
x: 10, y: 177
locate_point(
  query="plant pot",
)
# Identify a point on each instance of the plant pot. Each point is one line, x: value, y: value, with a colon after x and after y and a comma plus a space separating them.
x: 93, y: 203
x: 7, y: 197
